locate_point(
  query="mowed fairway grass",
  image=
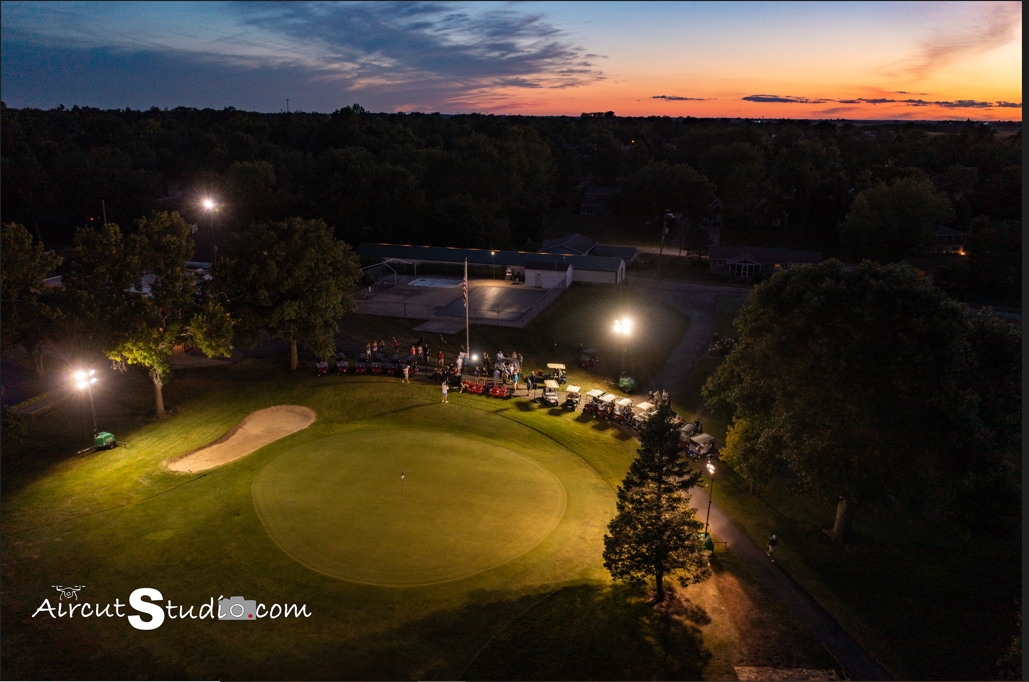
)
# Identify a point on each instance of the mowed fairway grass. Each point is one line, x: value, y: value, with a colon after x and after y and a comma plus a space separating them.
x: 485, y: 561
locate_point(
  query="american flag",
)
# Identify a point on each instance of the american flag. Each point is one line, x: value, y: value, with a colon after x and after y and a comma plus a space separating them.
x: 464, y: 285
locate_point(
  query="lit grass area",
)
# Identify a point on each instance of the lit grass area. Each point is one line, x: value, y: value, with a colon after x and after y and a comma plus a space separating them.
x: 927, y: 604
x: 116, y: 521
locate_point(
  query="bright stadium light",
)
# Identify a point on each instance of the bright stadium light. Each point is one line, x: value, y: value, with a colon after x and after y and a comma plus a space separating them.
x: 209, y: 204
x: 86, y: 381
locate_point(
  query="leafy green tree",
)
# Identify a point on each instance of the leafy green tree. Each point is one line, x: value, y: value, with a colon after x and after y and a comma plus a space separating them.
x: 866, y: 383
x: 136, y: 300
x: 25, y: 302
x: 698, y: 241
x: 292, y: 279
x: 890, y: 223
x: 659, y: 186
x: 655, y: 531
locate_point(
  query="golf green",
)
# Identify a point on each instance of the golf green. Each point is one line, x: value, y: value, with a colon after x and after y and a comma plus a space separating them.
x: 338, y: 505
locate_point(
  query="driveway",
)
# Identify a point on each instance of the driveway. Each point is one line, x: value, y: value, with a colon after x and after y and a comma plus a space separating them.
x: 697, y: 302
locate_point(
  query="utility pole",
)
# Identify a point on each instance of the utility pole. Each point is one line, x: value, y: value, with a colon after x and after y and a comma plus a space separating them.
x: 287, y: 105
x: 661, y: 251
x: 103, y: 207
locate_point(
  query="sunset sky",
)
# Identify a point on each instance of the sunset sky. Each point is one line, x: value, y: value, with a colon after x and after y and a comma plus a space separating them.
x: 798, y: 60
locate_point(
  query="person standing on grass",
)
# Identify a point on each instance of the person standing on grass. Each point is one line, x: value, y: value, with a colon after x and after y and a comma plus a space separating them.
x: 772, y: 542
x: 440, y: 358
x: 396, y: 345
x: 445, y: 388
x: 406, y: 371
x: 496, y: 376
x: 419, y: 354
x: 413, y: 353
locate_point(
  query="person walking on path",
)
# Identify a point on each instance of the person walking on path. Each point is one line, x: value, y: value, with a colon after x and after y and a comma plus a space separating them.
x: 772, y: 542
x: 445, y: 388
x: 440, y: 358
x: 406, y: 371
x: 516, y: 382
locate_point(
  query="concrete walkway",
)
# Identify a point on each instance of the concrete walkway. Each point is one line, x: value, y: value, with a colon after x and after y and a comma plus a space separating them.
x: 697, y: 301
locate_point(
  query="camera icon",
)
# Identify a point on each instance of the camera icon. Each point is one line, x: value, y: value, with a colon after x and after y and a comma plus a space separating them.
x: 237, y: 608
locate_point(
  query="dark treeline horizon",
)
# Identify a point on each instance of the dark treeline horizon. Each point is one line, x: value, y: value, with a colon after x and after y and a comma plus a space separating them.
x: 485, y: 181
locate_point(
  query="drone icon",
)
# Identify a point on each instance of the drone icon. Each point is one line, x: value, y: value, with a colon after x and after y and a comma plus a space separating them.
x: 68, y: 592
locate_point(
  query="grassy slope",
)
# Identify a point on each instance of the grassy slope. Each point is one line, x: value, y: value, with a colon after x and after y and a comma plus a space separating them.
x: 926, y: 604
x: 115, y: 521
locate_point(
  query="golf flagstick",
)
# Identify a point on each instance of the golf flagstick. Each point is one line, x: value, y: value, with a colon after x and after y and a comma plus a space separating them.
x: 401, y: 483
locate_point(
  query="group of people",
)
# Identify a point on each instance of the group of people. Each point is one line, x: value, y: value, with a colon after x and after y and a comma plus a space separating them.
x: 659, y: 397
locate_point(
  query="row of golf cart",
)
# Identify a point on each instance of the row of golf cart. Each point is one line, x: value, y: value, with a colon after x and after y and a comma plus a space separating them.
x: 625, y: 411
x: 379, y: 363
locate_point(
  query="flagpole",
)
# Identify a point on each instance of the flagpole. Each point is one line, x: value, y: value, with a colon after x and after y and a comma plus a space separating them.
x: 467, y: 343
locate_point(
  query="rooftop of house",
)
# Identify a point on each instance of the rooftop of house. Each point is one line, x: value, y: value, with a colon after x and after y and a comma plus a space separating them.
x: 763, y: 254
x: 573, y: 244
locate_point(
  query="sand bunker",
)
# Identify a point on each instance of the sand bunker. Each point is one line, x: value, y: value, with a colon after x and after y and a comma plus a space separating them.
x: 257, y: 430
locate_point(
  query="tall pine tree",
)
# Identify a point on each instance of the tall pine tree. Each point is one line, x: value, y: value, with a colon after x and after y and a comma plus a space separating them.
x: 655, y: 531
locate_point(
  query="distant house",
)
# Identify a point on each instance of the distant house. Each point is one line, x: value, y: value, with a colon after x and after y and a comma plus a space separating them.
x: 597, y: 198
x: 745, y: 262
x: 950, y: 241
x: 547, y: 275
x: 578, y: 245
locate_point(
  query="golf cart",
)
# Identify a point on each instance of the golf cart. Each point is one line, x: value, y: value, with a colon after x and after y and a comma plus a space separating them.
x: 376, y: 366
x: 361, y: 366
x: 606, y: 405
x: 622, y: 412
x: 592, y: 401
x: 627, y: 384
x: 393, y: 367
x: 705, y: 443
x: 642, y: 413
x: 572, y: 397
x: 342, y: 364
x: 550, y: 392
x: 321, y: 367
x: 588, y: 360
x: 558, y: 372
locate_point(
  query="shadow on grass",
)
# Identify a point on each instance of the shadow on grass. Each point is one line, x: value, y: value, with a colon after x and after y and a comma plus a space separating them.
x: 602, y: 425
x: 594, y: 632
x: 583, y: 418
x: 525, y: 406
x: 578, y: 632
x: 555, y: 412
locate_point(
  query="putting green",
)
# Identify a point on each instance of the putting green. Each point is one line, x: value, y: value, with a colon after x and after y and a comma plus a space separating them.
x: 339, y: 506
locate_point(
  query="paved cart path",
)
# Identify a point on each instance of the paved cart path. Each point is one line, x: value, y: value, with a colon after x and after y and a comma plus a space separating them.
x: 697, y: 301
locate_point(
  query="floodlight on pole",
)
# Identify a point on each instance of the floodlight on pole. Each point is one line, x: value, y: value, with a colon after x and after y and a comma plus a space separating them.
x: 623, y: 328
x: 86, y: 381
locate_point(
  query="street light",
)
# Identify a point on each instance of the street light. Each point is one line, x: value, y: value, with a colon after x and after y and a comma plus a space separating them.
x: 494, y: 254
x: 623, y: 328
x: 86, y: 381
x: 211, y: 206
x: 710, y: 493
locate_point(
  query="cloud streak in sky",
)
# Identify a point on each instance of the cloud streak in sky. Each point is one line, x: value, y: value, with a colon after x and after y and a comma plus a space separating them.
x: 676, y: 98
x: 776, y: 99
x: 999, y: 24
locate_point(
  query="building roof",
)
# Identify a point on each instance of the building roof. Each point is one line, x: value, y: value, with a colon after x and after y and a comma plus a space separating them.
x: 538, y: 265
x: 626, y: 253
x: 597, y: 190
x: 762, y: 254
x: 573, y: 244
x: 445, y: 254
x: 942, y: 231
